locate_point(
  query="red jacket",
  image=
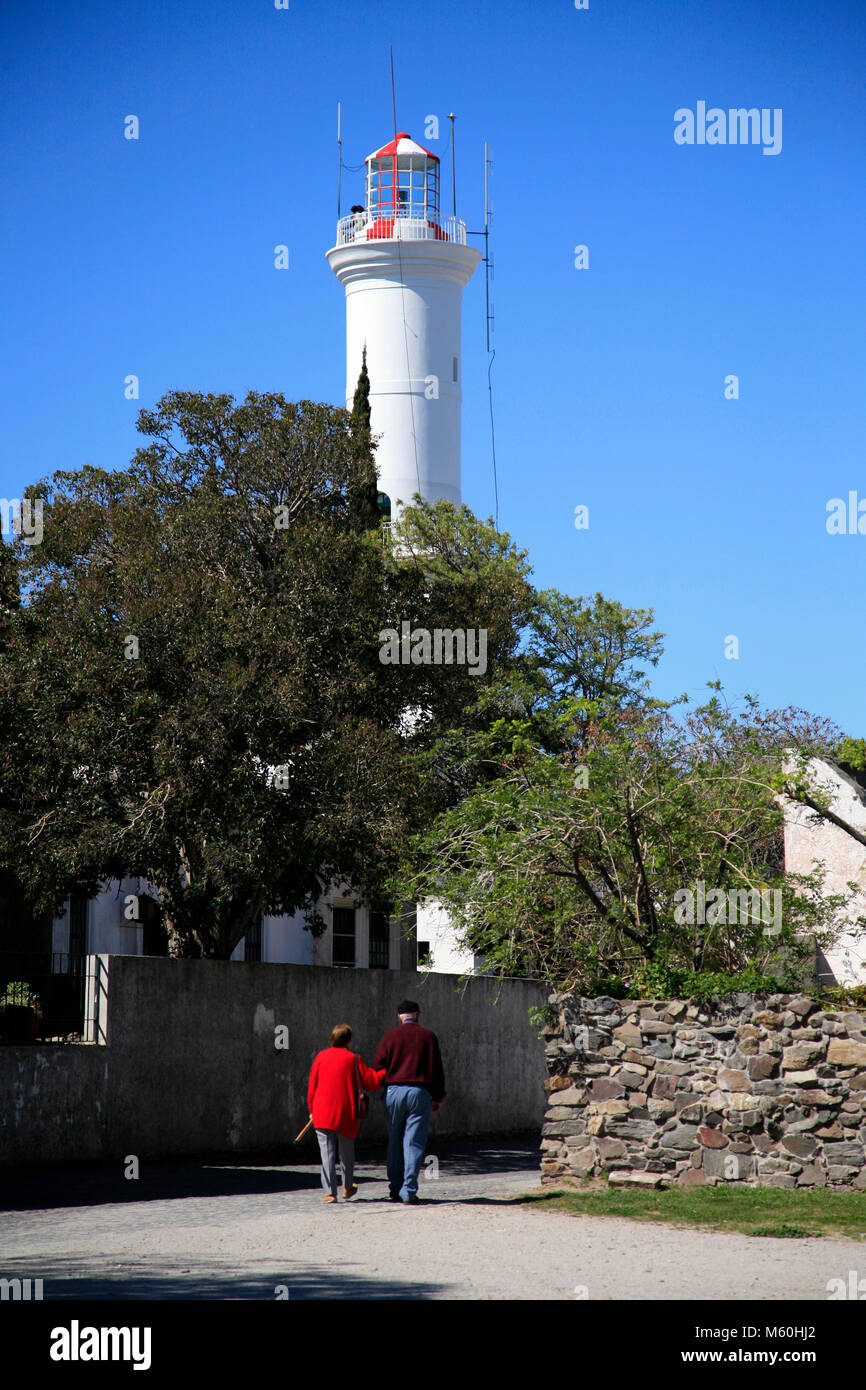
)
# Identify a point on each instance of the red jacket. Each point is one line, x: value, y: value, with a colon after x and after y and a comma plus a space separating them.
x: 332, y: 1095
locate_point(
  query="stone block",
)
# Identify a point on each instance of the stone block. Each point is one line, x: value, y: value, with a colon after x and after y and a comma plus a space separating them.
x: 803, y: 1054
x: 607, y: 1149
x: 612, y: 1107
x: 575, y: 1095
x: 631, y: 1129
x: 801, y: 1145
x: 692, y: 1112
x: 603, y: 1088
x: 581, y: 1164
x: 748, y: 1031
x: 741, y: 1100
x: 681, y: 1137
x: 629, y: 1080
x: 557, y: 1083
x: 841, y: 1052
x: 692, y: 1177
x: 627, y: 1033
x: 661, y: 1110
x: 761, y: 1067
x: 621, y: 1177
x: 664, y: 1087
x: 812, y: 1176
x: 730, y: 1080
x: 802, y: 1005
x: 711, y: 1138
x: 845, y: 1152
x: 817, y: 1097
x: 751, y: 1119
x: 838, y: 1172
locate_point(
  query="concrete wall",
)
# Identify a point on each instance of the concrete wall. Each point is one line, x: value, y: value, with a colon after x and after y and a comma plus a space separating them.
x: 190, y: 1063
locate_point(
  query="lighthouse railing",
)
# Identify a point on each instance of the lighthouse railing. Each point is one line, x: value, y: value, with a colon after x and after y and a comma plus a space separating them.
x: 359, y: 227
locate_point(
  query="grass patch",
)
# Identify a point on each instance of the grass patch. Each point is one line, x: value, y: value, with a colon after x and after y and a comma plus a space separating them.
x: 754, y: 1211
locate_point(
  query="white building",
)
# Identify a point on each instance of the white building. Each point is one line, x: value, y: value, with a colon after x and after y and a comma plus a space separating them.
x: 811, y: 839
x: 404, y: 269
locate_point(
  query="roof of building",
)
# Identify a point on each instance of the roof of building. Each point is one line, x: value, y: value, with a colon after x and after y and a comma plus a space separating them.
x: 404, y: 144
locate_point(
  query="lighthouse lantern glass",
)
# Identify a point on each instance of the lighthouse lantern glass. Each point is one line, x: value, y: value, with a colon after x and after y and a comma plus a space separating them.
x: 403, y: 185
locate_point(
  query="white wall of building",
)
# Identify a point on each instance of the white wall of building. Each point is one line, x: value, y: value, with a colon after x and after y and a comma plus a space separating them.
x: 109, y: 931
x: 808, y: 840
x: 448, y: 954
x: 285, y: 937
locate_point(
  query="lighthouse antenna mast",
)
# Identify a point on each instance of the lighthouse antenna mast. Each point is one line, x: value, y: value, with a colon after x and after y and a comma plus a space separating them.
x: 339, y: 162
x: 393, y: 96
x: 487, y: 214
x: 452, y: 119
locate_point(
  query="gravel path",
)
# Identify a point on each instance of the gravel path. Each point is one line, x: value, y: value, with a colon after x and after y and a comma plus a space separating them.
x: 230, y: 1230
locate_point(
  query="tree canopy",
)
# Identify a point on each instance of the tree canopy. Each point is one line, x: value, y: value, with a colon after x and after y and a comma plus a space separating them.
x: 195, y: 680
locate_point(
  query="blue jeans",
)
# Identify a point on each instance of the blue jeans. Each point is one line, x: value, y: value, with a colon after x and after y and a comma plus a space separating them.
x: 408, y: 1109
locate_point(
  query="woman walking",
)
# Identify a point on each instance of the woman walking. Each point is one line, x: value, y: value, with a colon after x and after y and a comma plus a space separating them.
x: 337, y: 1081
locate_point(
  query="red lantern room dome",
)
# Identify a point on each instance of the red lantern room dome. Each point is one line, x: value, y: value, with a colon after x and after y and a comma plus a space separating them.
x: 402, y: 182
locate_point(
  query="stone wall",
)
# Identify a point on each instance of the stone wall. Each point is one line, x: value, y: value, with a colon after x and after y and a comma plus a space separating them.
x: 760, y: 1091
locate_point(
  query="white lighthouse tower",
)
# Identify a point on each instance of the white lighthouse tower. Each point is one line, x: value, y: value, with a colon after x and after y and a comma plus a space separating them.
x: 404, y: 268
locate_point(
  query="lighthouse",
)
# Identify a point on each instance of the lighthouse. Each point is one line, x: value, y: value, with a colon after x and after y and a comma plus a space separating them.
x: 404, y: 268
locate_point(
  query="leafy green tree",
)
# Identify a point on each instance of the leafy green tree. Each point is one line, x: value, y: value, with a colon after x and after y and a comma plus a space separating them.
x: 197, y: 673
x: 571, y: 858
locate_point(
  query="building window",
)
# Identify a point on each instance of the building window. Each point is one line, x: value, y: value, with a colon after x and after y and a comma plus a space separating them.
x: 78, y: 925
x: 424, y: 957
x: 343, y: 936
x: 380, y: 941
x: 154, y: 938
x: 253, y: 942
x: 453, y: 368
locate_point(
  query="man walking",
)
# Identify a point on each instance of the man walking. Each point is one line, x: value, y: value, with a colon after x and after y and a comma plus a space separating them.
x: 415, y: 1082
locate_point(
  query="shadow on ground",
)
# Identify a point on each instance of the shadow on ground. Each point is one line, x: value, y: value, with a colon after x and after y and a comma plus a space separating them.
x: 86, y: 1185
x: 66, y: 1279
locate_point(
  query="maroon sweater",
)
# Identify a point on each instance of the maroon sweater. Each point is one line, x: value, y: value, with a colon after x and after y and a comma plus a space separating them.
x: 410, y: 1055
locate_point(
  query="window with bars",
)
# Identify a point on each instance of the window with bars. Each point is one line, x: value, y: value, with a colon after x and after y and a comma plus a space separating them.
x: 380, y: 941
x: 343, y: 936
x: 78, y: 925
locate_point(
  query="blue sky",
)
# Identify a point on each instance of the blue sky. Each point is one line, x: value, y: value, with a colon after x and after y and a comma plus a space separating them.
x: 155, y: 257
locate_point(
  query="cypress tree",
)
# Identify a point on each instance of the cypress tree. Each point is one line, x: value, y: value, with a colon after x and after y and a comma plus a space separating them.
x: 363, y: 488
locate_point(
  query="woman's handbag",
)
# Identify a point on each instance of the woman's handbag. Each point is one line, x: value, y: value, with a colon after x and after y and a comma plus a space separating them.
x: 363, y: 1099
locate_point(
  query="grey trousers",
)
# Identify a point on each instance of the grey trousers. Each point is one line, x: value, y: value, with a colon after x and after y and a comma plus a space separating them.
x: 329, y: 1142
